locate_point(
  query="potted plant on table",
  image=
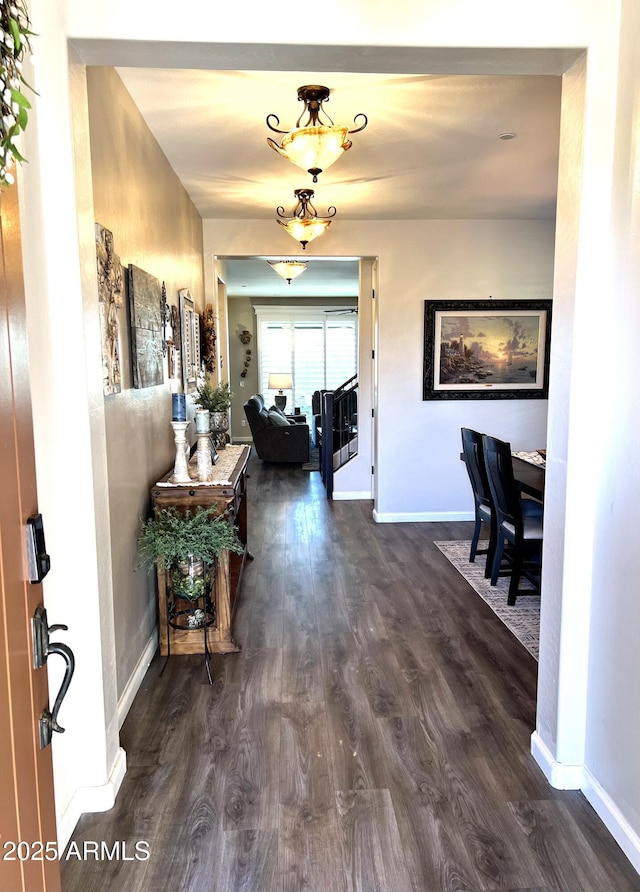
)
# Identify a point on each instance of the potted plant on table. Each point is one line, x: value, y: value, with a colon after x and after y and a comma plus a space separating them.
x: 217, y: 400
x: 185, y: 546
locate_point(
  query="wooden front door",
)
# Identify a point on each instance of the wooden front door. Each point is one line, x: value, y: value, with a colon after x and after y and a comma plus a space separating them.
x: 28, y: 841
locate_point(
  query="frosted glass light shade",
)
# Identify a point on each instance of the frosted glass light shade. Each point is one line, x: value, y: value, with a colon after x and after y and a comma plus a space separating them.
x: 304, y: 230
x: 314, y: 148
x: 288, y: 269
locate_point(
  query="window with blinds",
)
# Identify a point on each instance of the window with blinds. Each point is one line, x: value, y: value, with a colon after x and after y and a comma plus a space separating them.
x: 319, y: 351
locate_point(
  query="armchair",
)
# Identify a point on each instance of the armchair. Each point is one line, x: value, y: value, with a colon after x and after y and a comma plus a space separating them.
x: 276, y: 439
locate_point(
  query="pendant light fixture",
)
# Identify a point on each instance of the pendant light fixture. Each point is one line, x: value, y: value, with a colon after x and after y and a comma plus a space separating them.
x: 288, y: 269
x: 315, y: 144
x: 304, y: 224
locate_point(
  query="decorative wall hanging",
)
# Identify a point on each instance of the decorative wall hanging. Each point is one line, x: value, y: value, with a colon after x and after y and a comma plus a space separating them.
x: 495, y: 349
x: 190, y: 331
x: 16, y: 32
x: 145, y: 303
x: 209, y: 338
x: 110, y: 296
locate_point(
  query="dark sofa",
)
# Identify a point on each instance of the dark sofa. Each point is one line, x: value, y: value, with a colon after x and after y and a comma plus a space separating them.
x: 276, y: 437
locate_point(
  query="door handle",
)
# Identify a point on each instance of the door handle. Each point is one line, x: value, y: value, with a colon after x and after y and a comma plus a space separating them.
x: 42, y: 649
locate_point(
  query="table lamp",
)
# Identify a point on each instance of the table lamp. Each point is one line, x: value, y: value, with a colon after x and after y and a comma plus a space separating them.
x: 280, y: 381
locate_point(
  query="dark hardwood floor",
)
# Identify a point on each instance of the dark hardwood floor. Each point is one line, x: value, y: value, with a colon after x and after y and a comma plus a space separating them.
x: 372, y: 736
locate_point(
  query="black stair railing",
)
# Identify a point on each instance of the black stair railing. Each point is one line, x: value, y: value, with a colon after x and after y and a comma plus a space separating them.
x: 339, y: 424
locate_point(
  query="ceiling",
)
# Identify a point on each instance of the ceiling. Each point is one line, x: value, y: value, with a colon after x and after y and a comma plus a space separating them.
x: 432, y: 149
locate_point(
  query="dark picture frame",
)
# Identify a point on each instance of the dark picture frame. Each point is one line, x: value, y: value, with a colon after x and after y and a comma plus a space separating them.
x: 486, y: 349
x: 145, y: 306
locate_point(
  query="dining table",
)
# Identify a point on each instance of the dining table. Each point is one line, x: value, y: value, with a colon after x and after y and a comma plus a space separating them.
x: 529, y: 472
x: 530, y: 476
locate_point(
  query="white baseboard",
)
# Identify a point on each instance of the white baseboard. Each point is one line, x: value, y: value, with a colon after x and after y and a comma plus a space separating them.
x: 351, y: 496
x: 612, y: 818
x: 560, y: 775
x: 243, y: 440
x: 133, y: 685
x: 92, y: 799
x: 422, y: 516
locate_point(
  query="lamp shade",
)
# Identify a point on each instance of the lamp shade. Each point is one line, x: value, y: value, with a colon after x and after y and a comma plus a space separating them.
x: 303, y: 230
x: 288, y: 269
x: 314, y: 148
x: 280, y: 381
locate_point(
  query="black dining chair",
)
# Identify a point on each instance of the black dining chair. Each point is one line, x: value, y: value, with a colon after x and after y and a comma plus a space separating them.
x: 474, y: 461
x: 519, y: 522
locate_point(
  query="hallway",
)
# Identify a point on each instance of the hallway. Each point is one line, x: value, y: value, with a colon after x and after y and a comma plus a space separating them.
x: 372, y: 736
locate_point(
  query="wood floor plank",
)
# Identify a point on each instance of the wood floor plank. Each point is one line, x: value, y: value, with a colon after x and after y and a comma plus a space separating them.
x: 252, y: 776
x: 373, y: 850
x: 357, y: 756
x: 387, y: 690
x: 248, y: 863
x: 310, y: 853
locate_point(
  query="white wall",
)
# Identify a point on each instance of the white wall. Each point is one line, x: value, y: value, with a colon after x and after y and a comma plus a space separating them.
x: 613, y: 707
x: 439, y: 36
x: 419, y: 472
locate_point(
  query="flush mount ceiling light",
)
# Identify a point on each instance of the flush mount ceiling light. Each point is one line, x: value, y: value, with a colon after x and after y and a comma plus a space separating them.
x: 317, y: 143
x: 304, y: 224
x: 288, y: 269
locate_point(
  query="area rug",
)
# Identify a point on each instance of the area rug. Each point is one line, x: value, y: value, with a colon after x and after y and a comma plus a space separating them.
x: 314, y: 460
x: 523, y: 619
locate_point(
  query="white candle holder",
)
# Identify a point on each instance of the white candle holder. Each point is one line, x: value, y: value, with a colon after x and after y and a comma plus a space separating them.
x: 180, y: 468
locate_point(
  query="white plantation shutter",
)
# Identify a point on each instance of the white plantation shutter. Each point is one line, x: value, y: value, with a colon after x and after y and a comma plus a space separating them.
x: 319, y: 351
x: 308, y: 340
x: 341, y: 341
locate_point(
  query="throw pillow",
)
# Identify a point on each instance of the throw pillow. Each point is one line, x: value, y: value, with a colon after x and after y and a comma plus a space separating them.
x: 280, y: 412
x: 277, y: 418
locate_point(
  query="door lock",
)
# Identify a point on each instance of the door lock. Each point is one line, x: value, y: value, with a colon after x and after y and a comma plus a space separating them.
x: 38, y: 560
x: 42, y: 648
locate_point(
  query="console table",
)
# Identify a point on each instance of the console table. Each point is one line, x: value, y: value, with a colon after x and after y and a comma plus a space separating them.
x: 226, y: 491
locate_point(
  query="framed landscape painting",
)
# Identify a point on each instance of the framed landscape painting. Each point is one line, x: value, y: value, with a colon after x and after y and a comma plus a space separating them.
x: 486, y: 349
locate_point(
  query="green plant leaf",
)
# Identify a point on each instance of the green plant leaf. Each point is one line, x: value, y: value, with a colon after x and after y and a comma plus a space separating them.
x: 16, y: 154
x: 15, y: 33
x: 20, y: 98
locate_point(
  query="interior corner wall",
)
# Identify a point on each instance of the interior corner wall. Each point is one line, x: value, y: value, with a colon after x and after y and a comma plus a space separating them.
x: 156, y: 227
x: 241, y: 316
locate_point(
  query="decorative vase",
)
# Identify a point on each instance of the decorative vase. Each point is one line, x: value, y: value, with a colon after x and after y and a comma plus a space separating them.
x: 192, y: 581
x: 219, y: 428
x: 188, y: 579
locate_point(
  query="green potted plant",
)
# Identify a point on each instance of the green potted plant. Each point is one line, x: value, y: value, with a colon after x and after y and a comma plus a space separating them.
x: 217, y: 400
x: 16, y: 31
x: 182, y: 544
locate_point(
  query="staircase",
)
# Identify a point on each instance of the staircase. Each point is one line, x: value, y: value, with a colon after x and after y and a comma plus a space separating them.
x: 339, y: 425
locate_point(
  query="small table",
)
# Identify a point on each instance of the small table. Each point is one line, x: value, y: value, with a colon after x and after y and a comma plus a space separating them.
x: 226, y: 491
